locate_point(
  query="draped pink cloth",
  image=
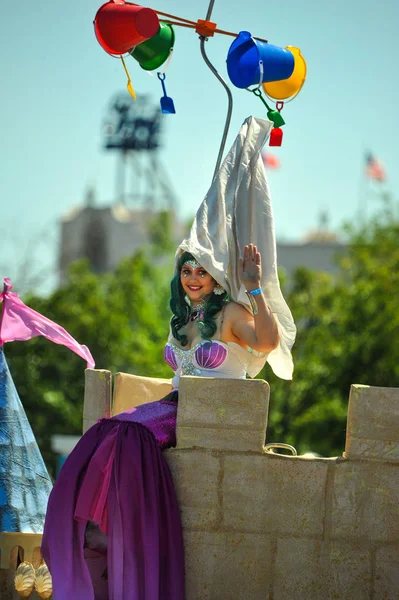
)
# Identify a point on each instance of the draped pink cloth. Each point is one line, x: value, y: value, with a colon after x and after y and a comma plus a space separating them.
x: 18, y: 322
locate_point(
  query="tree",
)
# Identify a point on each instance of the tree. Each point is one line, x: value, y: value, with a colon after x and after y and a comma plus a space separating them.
x: 122, y: 317
x: 160, y: 231
x: 347, y: 333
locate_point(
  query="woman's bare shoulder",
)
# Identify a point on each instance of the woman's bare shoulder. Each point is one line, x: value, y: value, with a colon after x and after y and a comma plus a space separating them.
x: 234, y: 310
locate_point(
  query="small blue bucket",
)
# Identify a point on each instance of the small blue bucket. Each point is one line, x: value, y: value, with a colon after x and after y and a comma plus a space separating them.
x: 243, y: 61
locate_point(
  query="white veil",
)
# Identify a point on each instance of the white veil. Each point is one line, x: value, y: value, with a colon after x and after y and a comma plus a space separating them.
x: 237, y: 211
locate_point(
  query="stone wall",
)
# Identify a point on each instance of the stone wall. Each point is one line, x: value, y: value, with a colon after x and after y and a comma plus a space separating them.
x: 15, y: 548
x: 263, y: 526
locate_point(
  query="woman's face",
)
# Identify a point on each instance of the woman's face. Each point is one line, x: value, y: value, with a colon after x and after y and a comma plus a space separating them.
x: 196, y: 282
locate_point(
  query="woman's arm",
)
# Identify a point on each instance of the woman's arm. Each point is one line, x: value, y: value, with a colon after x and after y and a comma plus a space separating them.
x: 260, y: 330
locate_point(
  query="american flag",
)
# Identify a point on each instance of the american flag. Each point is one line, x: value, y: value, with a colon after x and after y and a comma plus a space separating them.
x: 374, y: 169
x: 270, y: 161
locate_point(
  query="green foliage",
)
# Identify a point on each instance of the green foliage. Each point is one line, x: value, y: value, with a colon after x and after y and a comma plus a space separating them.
x: 122, y: 317
x: 347, y: 333
x: 160, y: 231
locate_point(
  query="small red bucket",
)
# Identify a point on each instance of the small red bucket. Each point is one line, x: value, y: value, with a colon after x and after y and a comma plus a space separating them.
x: 119, y: 26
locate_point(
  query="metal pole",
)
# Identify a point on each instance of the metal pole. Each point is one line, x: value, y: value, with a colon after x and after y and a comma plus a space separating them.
x: 210, y: 9
x: 226, y: 87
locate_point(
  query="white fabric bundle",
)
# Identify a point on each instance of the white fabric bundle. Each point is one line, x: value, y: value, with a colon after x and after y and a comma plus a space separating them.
x: 237, y: 211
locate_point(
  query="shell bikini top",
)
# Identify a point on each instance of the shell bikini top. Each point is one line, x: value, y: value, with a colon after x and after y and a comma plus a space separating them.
x: 213, y: 358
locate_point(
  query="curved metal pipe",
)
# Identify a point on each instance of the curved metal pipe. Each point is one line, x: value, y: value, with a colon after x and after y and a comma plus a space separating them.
x: 226, y: 87
x: 210, y: 9
x: 229, y: 109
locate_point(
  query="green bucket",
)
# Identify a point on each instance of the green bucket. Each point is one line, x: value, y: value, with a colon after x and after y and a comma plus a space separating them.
x: 152, y: 53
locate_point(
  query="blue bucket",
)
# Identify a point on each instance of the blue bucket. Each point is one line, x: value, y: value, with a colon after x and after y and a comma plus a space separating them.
x: 243, y: 61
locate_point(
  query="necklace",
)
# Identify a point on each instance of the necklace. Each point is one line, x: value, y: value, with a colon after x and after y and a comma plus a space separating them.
x: 197, y: 311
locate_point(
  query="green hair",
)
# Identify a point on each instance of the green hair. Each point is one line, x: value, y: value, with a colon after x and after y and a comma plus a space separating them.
x: 181, y: 310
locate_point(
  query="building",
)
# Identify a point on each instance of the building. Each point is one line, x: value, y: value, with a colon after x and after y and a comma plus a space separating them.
x: 314, y: 255
x: 105, y: 235
x: 317, y: 251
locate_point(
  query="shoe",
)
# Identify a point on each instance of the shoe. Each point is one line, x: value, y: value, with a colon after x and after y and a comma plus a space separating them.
x: 43, y: 582
x: 24, y: 580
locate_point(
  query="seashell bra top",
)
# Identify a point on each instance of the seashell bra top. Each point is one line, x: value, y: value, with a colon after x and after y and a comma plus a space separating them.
x: 212, y: 358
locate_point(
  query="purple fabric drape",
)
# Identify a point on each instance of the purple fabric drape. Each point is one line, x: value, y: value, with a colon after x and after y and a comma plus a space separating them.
x: 117, y: 477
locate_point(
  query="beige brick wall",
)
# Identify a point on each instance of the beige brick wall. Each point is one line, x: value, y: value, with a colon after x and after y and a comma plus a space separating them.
x: 235, y: 421
x: 261, y: 526
x: 373, y: 419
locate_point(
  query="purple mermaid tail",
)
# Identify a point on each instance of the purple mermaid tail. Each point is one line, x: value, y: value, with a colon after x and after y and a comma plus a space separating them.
x: 117, y: 477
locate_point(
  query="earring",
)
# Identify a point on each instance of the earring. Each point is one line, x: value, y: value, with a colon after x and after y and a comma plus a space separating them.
x: 218, y: 290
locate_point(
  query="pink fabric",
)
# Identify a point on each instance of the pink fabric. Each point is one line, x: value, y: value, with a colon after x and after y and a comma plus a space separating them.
x: 18, y: 322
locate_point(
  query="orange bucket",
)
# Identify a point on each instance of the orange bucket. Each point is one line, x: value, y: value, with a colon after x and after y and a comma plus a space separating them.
x: 119, y: 26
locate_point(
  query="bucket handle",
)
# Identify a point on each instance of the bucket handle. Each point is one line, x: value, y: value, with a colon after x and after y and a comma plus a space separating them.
x: 154, y: 74
x: 167, y: 62
x: 261, y: 72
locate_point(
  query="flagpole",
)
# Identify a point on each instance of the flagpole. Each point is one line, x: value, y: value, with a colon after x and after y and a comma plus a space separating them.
x: 362, y: 197
x: 377, y: 190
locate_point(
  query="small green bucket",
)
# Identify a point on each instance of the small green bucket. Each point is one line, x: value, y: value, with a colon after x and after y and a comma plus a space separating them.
x: 152, y: 53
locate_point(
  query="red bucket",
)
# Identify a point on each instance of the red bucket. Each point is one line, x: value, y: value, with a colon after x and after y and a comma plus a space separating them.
x: 119, y: 26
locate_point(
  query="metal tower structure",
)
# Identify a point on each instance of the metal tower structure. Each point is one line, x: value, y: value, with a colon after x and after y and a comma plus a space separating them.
x: 134, y: 129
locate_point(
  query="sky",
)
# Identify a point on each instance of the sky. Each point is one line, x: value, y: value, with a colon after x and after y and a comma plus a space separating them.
x: 57, y: 84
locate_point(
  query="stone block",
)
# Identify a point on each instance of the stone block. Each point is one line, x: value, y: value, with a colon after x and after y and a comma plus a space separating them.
x: 365, y: 501
x: 13, y: 547
x: 29, y: 542
x: 225, y: 414
x: 227, y: 566
x: 97, y: 397
x: 196, y: 476
x: 134, y: 390
x: 373, y: 424
x: 219, y: 439
x: 386, y: 585
x: 274, y: 494
x: 314, y: 570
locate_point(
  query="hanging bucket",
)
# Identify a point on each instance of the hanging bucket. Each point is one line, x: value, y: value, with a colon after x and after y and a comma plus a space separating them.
x: 119, y: 26
x: 244, y: 56
x: 281, y: 90
x: 153, y: 53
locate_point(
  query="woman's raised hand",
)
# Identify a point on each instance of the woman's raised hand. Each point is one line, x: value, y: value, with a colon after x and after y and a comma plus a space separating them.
x: 250, y: 267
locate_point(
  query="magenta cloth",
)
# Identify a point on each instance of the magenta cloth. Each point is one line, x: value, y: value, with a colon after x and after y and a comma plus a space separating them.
x: 118, y: 477
x: 18, y: 322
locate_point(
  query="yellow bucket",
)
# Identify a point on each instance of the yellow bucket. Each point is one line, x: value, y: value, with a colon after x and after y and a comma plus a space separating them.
x: 286, y: 88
